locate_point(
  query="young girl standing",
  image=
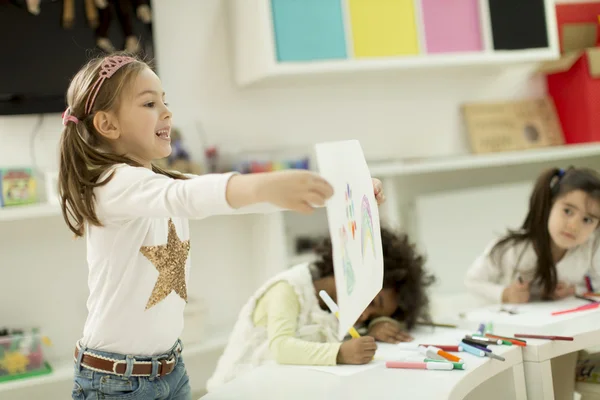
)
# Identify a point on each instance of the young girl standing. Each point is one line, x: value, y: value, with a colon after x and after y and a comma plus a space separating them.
x: 286, y: 322
x: 555, y: 249
x: 135, y: 220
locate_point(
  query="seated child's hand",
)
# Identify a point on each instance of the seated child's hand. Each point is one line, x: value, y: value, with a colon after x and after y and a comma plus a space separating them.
x: 516, y: 293
x: 357, y: 351
x: 563, y: 290
x: 378, y: 191
x: 389, y: 333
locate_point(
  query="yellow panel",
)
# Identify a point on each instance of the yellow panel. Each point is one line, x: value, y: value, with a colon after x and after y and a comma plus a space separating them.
x: 383, y: 27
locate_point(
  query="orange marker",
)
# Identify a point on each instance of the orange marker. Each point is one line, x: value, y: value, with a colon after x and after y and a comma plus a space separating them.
x: 445, y: 354
x: 513, y: 341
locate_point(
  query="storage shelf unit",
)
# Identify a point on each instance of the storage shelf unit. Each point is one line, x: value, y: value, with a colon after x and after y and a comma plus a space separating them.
x: 287, y: 38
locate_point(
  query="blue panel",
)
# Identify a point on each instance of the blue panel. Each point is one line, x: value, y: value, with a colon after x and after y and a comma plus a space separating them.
x: 309, y: 29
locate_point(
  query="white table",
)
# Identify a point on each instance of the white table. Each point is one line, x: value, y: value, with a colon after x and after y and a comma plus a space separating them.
x: 544, y: 360
x: 483, y: 378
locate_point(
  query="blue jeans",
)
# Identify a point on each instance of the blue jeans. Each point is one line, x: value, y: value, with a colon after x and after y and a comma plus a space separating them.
x: 90, y: 384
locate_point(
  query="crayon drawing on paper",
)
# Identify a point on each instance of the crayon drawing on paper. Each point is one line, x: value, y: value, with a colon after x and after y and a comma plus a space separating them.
x: 353, y: 219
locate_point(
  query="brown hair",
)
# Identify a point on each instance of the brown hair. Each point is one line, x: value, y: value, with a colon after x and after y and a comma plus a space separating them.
x: 84, y: 155
x: 551, y: 185
x: 402, y: 271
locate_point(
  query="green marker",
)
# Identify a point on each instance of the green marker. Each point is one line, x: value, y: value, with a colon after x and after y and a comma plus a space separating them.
x: 454, y: 364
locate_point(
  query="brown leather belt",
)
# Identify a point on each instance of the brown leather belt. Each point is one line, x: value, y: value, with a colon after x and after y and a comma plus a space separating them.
x: 118, y: 367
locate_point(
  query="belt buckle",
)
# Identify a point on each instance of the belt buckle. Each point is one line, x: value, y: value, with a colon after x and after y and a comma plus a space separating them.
x: 116, y: 363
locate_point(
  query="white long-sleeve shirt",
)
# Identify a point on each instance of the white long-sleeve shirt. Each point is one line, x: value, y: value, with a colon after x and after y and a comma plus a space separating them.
x: 130, y: 309
x: 490, y: 275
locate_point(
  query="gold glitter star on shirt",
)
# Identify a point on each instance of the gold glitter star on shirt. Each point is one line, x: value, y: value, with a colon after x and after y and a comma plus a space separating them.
x: 169, y: 259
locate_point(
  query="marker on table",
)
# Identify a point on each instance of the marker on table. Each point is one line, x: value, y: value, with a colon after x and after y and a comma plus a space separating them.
x: 472, y: 350
x: 475, y: 342
x: 517, y: 342
x: 456, y: 365
x: 481, y: 328
x: 336, y: 311
x: 445, y: 354
x: 588, y: 283
x: 548, y: 337
x: 487, y: 351
x: 586, y: 298
x: 476, y: 345
x: 445, y: 347
x: 484, y: 339
x: 496, y: 356
x: 430, y: 353
x: 440, y: 366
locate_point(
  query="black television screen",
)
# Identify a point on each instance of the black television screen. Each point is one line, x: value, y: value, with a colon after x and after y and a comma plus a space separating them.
x: 39, y: 55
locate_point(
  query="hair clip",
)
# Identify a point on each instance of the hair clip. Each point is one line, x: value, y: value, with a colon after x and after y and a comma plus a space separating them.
x: 109, y: 66
x: 66, y: 117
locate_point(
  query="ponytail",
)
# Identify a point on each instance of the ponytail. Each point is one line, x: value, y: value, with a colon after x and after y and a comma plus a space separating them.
x: 75, y: 180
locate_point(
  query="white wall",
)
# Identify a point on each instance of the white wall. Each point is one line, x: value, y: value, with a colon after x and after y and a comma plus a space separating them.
x: 404, y: 114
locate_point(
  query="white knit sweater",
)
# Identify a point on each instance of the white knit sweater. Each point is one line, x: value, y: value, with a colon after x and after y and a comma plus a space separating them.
x: 248, y: 345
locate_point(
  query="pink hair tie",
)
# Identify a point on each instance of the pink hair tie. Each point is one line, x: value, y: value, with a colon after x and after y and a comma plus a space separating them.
x: 109, y: 66
x: 66, y: 117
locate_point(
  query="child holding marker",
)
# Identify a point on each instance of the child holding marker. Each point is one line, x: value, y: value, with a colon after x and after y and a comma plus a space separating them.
x: 287, y: 321
x: 555, y: 253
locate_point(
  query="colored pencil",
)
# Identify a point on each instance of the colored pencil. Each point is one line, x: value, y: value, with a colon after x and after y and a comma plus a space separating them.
x: 586, y: 298
x: 548, y: 337
x: 590, y: 306
x: 437, y: 325
x: 516, y: 342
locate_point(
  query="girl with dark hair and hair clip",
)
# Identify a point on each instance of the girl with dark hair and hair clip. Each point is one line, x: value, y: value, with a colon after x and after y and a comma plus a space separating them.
x: 556, y: 249
x: 286, y: 322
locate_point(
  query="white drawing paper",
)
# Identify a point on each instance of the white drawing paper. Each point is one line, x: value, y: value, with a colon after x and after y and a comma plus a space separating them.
x: 354, y: 227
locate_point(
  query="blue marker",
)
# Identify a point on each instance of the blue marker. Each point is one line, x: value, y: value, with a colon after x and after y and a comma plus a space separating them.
x: 470, y: 349
x: 481, y: 328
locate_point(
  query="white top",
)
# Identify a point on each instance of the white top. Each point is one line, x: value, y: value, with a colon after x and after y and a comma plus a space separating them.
x: 131, y: 309
x: 488, y: 276
x: 248, y: 345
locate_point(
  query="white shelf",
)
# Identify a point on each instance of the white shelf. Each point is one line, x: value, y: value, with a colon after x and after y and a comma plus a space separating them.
x: 256, y: 59
x: 61, y: 373
x: 447, y: 164
x: 383, y: 64
x: 40, y: 210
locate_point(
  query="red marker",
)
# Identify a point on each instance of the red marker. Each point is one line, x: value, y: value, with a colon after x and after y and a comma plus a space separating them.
x: 524, y: 335
x: 445, y: 347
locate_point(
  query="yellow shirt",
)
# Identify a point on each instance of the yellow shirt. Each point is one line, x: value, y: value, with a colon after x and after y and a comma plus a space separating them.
x: 278, y: 311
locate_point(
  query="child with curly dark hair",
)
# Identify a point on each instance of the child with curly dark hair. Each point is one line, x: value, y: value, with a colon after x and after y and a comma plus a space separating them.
x: 287, y: 322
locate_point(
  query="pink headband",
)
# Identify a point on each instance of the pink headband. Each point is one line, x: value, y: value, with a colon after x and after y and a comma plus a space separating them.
x: 109, y: 66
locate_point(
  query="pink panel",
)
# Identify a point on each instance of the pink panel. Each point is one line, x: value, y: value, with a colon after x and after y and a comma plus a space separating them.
x: 452, y: 25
